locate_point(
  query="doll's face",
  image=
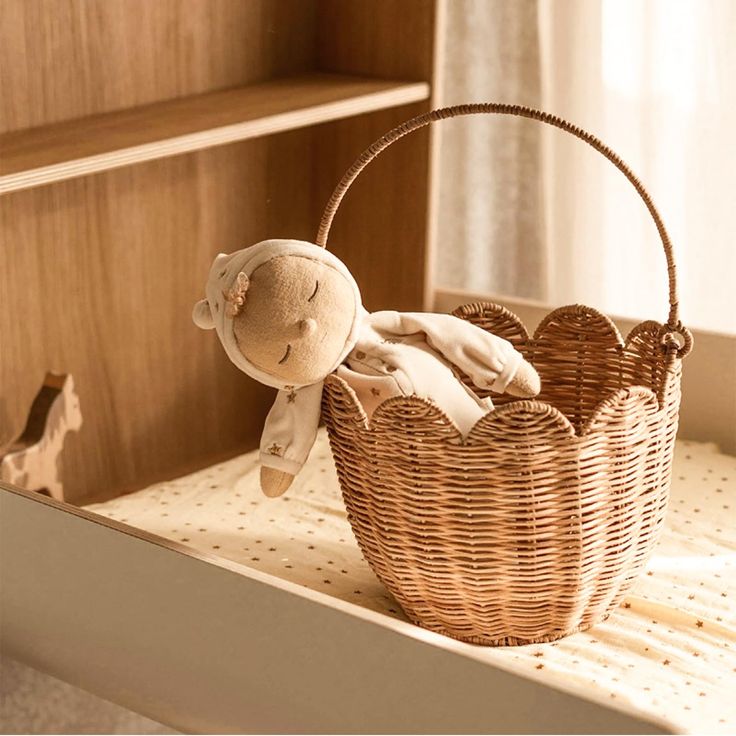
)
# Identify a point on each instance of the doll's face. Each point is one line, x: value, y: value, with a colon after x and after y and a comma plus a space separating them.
x: 297, y: 317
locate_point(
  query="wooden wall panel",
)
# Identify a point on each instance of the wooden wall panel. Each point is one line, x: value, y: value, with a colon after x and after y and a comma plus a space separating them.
x: 386, y: 38
x: 98, y: 277
x: 62, y: 59
x: 382, y: 228
x: 98, y: 274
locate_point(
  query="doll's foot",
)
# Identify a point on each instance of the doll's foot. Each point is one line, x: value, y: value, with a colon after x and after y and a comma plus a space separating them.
x: 526, y: 382
x: 274, y: 482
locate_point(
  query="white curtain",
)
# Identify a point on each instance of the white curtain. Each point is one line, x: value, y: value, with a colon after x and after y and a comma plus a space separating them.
x: 656, y: 80
x: 490, y: 227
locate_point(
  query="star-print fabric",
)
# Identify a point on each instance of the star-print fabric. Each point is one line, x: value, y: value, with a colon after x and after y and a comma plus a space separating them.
x: 668, y: 651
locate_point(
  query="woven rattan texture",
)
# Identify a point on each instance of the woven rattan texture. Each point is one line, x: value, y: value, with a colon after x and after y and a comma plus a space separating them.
x: 536, y: 524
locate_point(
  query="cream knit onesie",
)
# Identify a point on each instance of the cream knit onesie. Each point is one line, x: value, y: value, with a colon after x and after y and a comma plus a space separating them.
x: 397, y: 354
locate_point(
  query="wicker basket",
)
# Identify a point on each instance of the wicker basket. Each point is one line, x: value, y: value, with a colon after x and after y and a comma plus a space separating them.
x: 536, y: 524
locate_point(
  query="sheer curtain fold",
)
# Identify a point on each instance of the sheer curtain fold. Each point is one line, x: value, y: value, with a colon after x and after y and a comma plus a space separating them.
x: 531, y: 212
x: 490, y: 234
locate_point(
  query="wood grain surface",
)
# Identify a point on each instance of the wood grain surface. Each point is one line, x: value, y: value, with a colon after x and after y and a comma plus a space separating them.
x: 100, y: 142
x: 98, y: 274
x: 64, y: 59
x: 98, y: 277
x: 382, y: 228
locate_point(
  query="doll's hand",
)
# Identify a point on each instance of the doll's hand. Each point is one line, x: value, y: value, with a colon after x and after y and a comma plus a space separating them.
x: 274, y: 482
x: 525, y: 381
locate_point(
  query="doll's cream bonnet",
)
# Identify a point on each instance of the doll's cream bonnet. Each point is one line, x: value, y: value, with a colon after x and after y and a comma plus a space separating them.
x: 228, y: 281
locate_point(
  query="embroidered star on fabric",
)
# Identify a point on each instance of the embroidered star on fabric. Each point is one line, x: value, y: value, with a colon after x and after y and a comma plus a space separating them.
x: 275, y: 450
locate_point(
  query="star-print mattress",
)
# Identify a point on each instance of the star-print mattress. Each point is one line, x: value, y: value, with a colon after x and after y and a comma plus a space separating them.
x: 669, y: 650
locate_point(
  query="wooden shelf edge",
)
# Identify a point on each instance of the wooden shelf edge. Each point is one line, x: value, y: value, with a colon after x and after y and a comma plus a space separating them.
x: 68, y: 150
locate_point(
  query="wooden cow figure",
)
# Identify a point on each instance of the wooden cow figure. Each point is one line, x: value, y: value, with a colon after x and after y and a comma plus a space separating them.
x: 32, y: 461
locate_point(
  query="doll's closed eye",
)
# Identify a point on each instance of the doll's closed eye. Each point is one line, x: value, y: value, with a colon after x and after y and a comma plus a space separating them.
x: 286, y: 355
x: 314, y: 293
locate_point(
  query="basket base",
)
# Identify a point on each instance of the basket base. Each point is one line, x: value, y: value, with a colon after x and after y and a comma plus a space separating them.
x: 507, y: 641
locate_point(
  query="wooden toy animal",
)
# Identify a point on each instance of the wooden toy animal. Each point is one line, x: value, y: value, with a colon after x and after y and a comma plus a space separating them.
x: 32, y: 461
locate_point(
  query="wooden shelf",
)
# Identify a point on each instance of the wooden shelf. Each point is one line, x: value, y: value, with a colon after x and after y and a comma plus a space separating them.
x: 38, y: 156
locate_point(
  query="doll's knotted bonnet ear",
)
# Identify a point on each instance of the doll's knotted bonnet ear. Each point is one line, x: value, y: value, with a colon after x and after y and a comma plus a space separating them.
x: 202, y: 315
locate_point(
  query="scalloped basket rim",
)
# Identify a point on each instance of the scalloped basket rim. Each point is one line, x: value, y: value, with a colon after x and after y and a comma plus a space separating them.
x: 547, y: 320
x: 523, y: 406
x: 526, y: 406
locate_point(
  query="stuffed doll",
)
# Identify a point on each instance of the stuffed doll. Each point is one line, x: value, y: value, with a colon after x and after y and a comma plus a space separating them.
x: 289, y: 313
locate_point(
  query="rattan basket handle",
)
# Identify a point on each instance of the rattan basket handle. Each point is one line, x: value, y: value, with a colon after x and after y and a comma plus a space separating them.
x: 673, y: 322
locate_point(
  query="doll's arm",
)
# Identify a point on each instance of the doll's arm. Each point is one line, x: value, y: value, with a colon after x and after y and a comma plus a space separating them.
x: 288, y: 436
x: 490, y: 361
